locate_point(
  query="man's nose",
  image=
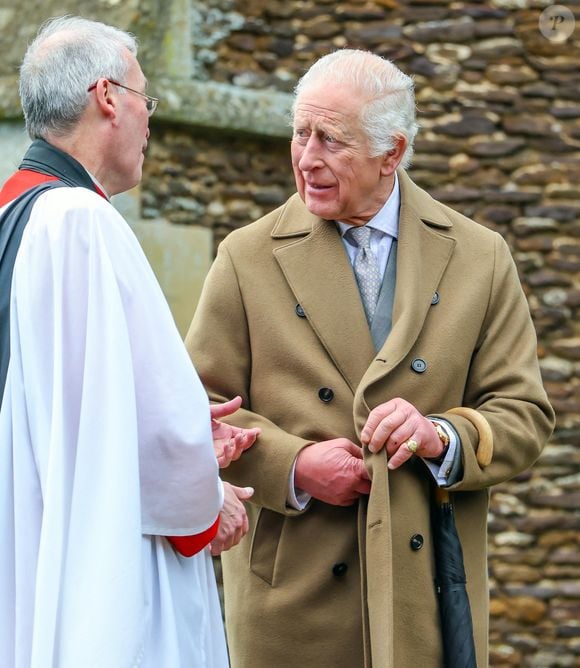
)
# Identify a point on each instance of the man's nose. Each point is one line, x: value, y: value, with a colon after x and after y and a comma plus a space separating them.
x: 311, y: 156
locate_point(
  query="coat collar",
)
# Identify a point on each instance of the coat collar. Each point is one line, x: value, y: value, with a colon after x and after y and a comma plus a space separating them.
x: 418, y: 201
x: 295, y: 219
x: 317, y: 269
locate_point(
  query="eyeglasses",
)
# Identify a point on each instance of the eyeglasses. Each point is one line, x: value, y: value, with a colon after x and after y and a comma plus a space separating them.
x: 150, y: 102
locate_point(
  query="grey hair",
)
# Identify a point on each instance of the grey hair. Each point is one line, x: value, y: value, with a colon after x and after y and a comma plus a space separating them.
x: 388, y: 109
x: 67, y: 56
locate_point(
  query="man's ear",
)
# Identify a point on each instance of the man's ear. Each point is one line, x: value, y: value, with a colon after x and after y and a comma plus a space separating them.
x: 106, y: 101
x: 392, y: 158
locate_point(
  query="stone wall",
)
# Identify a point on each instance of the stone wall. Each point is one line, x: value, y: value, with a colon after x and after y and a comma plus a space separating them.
x: 499, y: 108
x: 220, y: 182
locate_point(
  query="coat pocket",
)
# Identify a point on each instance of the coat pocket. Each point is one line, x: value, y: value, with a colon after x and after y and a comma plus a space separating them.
x: 265, y: 541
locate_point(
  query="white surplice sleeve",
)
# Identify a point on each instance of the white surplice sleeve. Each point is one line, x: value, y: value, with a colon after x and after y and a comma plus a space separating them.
x: 101, y: 350
x: 106, y: 436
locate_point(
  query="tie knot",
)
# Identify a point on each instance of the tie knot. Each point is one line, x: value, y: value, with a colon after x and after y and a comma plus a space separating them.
x: 361, y: 236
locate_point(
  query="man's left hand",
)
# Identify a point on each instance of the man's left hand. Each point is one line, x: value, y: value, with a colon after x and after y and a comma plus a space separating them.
x: 229, y: 442
x: 233, y: 519
x: 400, y: 428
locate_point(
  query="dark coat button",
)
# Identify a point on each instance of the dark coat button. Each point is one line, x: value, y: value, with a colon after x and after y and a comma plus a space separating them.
x: 339, y: 569
x: 416, y: 541
x: 435, y: 298
x: 300, y: 311
x: 325, y: 394
x: 419, y: 365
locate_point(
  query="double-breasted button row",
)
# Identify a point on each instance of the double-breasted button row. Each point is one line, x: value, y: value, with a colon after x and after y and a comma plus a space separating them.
x: 419, y: 365
x: 325, y: 394
x: 340, y: 569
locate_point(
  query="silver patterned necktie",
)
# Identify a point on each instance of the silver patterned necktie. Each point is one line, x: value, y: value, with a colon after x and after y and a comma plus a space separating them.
x: 366, y: 269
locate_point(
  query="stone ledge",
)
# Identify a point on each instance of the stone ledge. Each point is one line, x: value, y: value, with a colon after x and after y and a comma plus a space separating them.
x: 224, y: 107
x: 206, y: 104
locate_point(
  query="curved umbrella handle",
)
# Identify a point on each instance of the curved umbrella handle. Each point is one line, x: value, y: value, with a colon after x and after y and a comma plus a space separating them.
x: 485, y: 447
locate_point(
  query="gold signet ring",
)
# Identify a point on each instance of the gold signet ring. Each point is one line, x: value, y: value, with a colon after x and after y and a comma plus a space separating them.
x: 412, y: 445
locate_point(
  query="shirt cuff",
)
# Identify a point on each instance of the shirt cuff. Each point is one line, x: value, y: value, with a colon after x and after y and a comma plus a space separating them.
x: 442, y: 471
x: 296, y: 498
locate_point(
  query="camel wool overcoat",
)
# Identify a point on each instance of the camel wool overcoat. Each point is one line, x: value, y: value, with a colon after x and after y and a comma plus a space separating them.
x: 280, y: 322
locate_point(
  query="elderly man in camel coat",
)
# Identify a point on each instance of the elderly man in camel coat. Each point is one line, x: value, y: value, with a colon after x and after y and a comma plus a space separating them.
x: 337, y: 570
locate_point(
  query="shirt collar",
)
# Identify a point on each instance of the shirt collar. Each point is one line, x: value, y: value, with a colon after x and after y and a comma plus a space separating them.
x: 386, y: 220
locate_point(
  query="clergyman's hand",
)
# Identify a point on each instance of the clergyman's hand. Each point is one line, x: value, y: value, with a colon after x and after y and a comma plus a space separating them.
x: 229, y: 442
x: 233, y: 519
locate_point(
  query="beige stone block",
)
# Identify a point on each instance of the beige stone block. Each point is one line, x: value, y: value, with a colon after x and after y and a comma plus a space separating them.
x: 526, y: 609
x: 180, y: 256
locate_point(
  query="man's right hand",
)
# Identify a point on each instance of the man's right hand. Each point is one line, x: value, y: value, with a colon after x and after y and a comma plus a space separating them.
x: 332, y: 471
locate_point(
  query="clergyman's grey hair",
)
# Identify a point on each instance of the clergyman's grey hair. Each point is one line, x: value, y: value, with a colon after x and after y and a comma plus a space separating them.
x: 66, y: 57
x: 389, y: 107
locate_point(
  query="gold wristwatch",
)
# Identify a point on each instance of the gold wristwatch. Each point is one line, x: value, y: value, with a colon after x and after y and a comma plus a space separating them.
x: 444, y: 438
x: 442, y: 434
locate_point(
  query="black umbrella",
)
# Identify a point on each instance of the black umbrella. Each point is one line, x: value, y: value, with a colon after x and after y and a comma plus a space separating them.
x: 454, y: 610
x: 450, y: 581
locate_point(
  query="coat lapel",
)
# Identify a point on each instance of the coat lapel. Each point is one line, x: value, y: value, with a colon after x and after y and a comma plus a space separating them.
x: 422, y: 255
x: 319, y: 274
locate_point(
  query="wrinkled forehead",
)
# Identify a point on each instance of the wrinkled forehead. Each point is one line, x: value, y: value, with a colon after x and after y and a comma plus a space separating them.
x: 328, y: 116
